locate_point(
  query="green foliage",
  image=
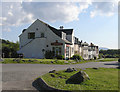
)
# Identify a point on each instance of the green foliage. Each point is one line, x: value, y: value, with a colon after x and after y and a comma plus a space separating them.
x: 110, y: 53
x: 55, y: 61
x: 119, y: 60
x: 76, y: 57
x: 49, y: 54
x: 9, y: 48
x: 60, y: 56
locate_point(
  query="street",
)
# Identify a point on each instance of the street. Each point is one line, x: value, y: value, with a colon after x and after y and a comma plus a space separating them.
x: 21, y: 76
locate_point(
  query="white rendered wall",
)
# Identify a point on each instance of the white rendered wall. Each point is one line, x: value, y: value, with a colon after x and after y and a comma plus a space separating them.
x: 34, y: 48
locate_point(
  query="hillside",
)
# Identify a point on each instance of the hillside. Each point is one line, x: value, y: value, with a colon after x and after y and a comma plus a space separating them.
x: 103, y: 48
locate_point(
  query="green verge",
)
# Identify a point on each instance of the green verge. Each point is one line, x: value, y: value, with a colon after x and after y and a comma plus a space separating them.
x: 101, y: 79
x: 52, y: 61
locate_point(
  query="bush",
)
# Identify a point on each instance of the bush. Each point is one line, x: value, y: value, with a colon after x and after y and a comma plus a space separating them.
x: 119, y: 60
x: 49, y: 54
x: 59, y: 56
x: 95, y: 58
x: 78, y: 57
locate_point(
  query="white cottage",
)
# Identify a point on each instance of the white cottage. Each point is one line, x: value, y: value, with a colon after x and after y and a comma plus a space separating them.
x: 40, y: 37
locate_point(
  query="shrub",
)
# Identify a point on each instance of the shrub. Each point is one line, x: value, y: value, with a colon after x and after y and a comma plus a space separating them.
x: 119, y: 60
x: 95, y: 58
x: 49, y: 54
x: 59, y: 56
x: 76, y: 56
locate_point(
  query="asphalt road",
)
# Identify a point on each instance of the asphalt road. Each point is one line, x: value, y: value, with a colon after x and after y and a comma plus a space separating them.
x: 21, y: 76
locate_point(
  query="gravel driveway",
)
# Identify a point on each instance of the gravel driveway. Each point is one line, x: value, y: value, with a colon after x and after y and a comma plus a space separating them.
x: 21, y: 76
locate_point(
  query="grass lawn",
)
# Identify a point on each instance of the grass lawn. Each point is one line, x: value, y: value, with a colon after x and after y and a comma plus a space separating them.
x: 51, y: 61
x: 101, y: 79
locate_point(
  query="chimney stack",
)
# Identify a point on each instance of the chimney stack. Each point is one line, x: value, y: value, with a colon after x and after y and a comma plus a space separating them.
x: 61, y: 27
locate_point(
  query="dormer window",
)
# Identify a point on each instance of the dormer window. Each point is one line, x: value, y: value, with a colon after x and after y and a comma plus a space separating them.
x: 42, y: 35
x: 31, y: 35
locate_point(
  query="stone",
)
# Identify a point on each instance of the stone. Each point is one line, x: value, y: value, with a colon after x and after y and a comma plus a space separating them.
x: 53, y: 71
x: 74, y: 69
x: 16, y: 60
x: 56, y: 73
x: 52, y: 62
x: 23, y: 60
x: 69, y: 70
x: 40, y: 61
x: 52, y: 75
x: 60, y: 77
x: 78, y: 78
x: 95, y: 68
x: 30, y: 61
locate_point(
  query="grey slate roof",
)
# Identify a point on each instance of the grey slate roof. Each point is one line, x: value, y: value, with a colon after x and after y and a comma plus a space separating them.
x: 58, y: 31
x: 67, y: 31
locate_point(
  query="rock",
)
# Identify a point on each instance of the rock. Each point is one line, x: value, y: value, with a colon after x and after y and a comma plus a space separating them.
x: 95, y: 68
x: 74, y: 69
x: 23, y: 60
x: 30, y: 61
x: 52, y: 62
x: 56, y: 73
x: 77, y: 78
x: 52, y: 75
x: 53, y: 71
x: 60, y: 77
x: 16, y: 60
x: 40, y: 61
x: 69, y: 70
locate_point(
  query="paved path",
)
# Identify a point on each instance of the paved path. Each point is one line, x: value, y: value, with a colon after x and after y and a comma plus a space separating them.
x: 21, y: 76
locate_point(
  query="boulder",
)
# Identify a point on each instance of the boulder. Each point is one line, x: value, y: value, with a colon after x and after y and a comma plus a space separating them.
x: 52, y: 62
x: 53, y: 71
x: 74, y: 69
x: 69, y: 70
x: 52, y: 75
x: 77, y: 78
x: 40, y: 61
x: 30, y: 61
x: 95, y: 68
x: 23, y: 60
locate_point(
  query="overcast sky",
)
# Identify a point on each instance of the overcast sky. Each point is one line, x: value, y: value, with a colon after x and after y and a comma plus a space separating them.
x: 95, y: 22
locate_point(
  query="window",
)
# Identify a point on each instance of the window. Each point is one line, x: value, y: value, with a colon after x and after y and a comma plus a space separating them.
x: 67, y: 51
x: 31, y: 35
x: 57, y: 50
x: 42, y: 35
